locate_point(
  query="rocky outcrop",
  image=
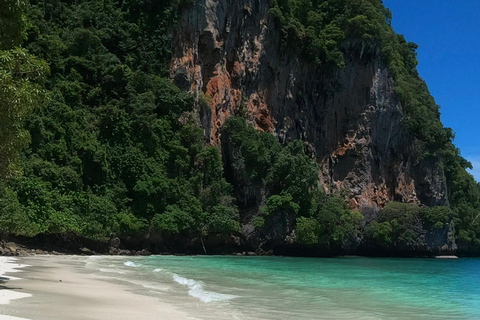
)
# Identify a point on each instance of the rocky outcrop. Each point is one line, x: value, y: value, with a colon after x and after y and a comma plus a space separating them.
x: 229, y: 54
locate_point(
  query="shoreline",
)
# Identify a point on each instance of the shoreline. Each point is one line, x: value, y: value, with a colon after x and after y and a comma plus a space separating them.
x: 75, y: 245
x: 19, y: 249
x: 60, y: 287
x: 113, y: 287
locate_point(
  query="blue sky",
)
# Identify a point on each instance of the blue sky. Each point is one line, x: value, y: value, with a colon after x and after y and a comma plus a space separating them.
x: 448, y: 35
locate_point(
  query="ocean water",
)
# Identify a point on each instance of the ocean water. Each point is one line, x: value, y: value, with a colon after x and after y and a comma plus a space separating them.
x: 224, y: 287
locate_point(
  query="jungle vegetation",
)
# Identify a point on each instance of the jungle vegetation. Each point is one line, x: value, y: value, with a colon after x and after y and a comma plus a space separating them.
x: 96, y: 141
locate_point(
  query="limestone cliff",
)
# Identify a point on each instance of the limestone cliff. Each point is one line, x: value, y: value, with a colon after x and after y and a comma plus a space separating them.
x: 229, y: 54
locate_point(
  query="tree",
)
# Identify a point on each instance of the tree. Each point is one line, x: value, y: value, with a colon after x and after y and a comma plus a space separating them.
x: 21, y: 79
x: 330, y: 223
x: 12, y: 23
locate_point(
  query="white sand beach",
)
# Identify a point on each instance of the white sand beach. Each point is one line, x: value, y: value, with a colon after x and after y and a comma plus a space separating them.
x: 57, y: 287
x: 9, y: 265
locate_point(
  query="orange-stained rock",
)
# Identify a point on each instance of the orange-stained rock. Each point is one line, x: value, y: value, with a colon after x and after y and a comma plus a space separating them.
x: 229, y: 53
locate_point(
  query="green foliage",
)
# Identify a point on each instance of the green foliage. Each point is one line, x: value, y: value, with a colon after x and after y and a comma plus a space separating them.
x: 22, y: 76
x: 258, y: 150
x: 331, y: 32
x: 176, y: 219
x: 222, y: 219
x: 12, y: 23
x: 13, y: 219
x: 307, y: 230
x: 21, y: 79
x: 286, y: 171
x: 278, y: 203
x: 404, y: 221
x: 330, y: 222
x: 108, y: 155
x: 380, y: 232
x: 401, y: 224
x: 258, y: 222
x: 465, y: 201
x: 323, y: 31
x: 437, y: 217
x: 291, y: 180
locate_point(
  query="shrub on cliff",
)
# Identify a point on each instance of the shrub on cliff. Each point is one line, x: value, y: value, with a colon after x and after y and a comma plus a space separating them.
x: 285, y: 171
x: 402, y: 225
x: 330, y: 222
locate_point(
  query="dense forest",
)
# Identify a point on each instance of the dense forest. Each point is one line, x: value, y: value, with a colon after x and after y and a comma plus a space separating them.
x: 95, y: 140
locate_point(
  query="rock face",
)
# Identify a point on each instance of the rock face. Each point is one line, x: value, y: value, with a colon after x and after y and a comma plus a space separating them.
x: 229, y: 54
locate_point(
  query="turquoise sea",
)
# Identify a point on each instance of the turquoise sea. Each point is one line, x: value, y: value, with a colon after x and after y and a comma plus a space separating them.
x: 230, y: 287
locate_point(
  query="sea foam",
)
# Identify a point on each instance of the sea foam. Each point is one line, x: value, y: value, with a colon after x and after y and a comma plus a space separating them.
x: 196, y: 290
x: 131, y: 264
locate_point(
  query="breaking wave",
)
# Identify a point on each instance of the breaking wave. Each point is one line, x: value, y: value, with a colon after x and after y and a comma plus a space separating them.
x: 196, y: 290
x: 131, y: 264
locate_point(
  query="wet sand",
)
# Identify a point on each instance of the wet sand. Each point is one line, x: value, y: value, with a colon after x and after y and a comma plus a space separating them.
x: 58, y: 287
